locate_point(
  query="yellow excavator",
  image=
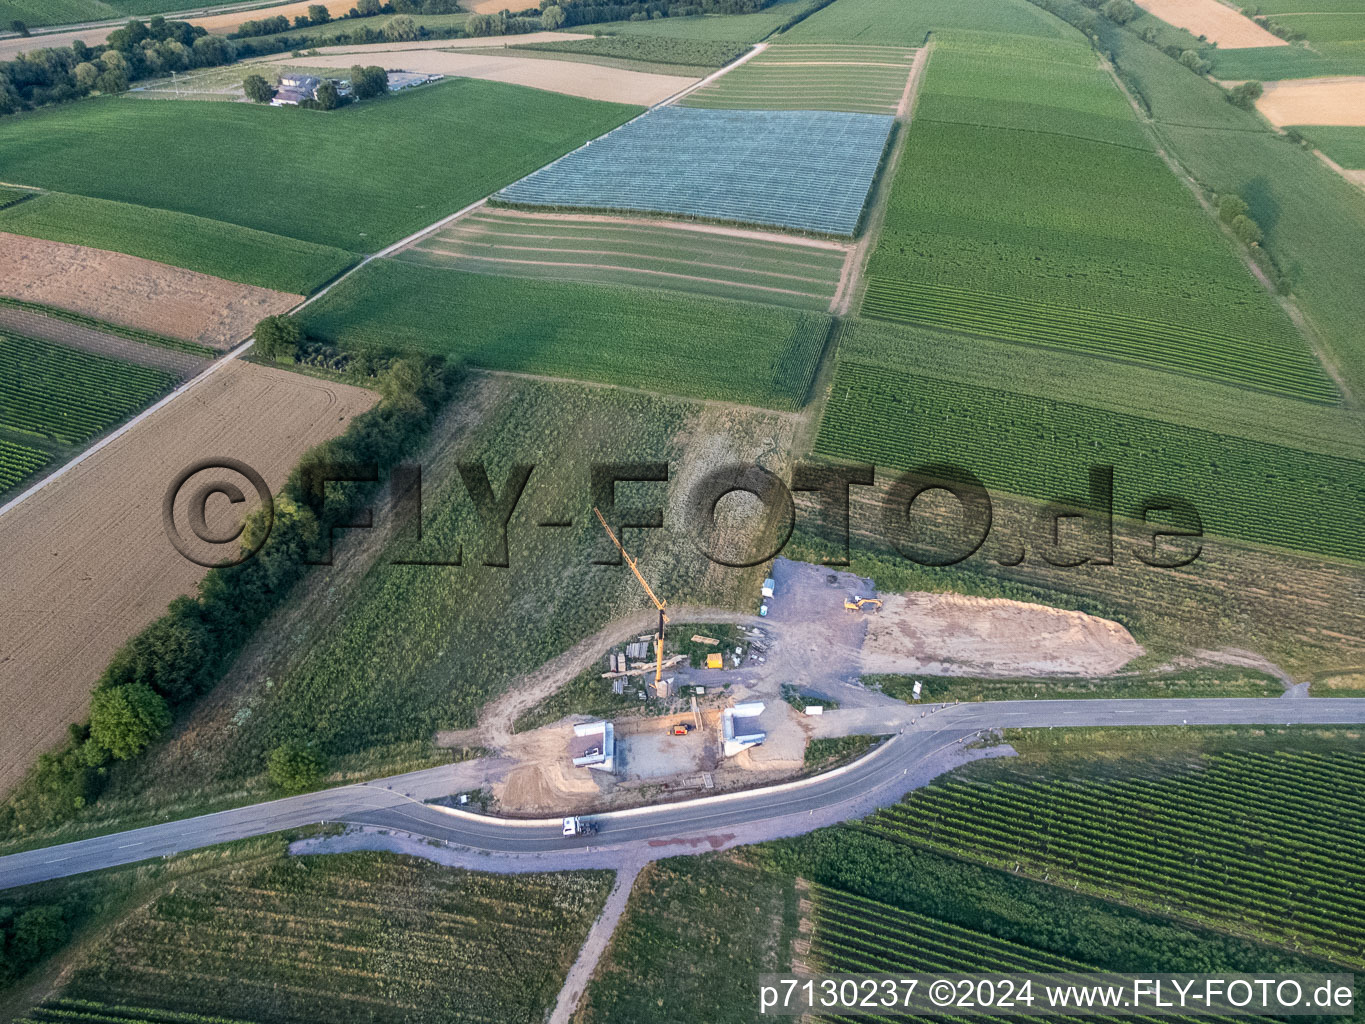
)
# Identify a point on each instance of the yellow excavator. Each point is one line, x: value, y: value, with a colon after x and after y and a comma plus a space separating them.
x: 663, y: 618
x: 857, y: 604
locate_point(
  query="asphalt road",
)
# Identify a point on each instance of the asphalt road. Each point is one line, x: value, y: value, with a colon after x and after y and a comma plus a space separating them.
x: 879, y: 779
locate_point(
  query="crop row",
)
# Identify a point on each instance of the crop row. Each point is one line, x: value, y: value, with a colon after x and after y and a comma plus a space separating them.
x: 66, y: 395
x: 18, y: 461
x: 1263, y: 846
x: 1259, y: 362
x: 807, y: 170
x: 1041, y: 448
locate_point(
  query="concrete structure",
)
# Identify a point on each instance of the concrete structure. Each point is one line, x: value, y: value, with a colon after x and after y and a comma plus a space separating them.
x: 407, y: 79
x: 594, y: 746
x: 739, y: 727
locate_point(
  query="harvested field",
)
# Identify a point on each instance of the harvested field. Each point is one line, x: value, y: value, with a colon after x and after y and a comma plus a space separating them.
x: 183, y: 365
x: 222, y: 24
x: 949, y: 634
x: 572, y: 78
x: 725, y: 262
x: 139, y: 293
x: 1315, y: 101
x: 1220, y: 24
x: 88, y: 563
x: 858, y: 79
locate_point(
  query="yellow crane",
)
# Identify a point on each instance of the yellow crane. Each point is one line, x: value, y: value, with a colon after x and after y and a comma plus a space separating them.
x: 663, y: 617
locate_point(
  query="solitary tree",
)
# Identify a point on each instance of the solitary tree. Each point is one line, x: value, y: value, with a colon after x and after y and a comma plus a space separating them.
x: 1120, y: 11
x: 19, y: 27
x: 294, y: 767
x: 552, y: 17
x: 1246, y: 229
x: 366, y: 8
x: 1245, y: 95
x: 124, y: 719
x: 1230, y: 207
x: 318, y: 14
x: 278, y: 336
x: 327, y: 96
x: 401, y: 29
x: 257, y: 89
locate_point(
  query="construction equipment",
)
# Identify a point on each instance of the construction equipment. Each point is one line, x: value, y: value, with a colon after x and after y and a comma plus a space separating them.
x: 680, y: 729
x: 856, y: 604
x: 715, y: 661
x: 663, y: 617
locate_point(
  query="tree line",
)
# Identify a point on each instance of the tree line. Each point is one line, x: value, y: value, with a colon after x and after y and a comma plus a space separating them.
x: 183, y: 654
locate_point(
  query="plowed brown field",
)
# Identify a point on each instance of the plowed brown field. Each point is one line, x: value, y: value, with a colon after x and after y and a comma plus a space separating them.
x: 135, y: 292
x: 86, y: 561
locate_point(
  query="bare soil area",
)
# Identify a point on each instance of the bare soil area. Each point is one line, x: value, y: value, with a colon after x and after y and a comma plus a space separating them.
x: 87, y: 561
x: 1230, y: 29
x: 1315, y: 101
x: 222, y: 24
x: 573, y: 78
x: 135, y: 292
x: 951, y: 634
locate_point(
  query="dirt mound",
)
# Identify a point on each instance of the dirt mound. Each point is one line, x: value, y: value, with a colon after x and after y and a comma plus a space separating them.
x: 949, y: 634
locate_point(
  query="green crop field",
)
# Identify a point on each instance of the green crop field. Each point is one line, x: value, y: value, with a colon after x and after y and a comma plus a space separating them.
x: 35, y: 13
x: 1017, y: 437
x: 340, y: 938
x: 10, y: 196
x: 738, y: 28
x: 18, y: 462
x: 649, y: 255
x: 1175, y: 843
x: 861, y: 79
x: 195, y: 243
x: 68, y: 396
x: 696, y: 934
x: 1030, y: 207
x: 662, y: 341
x: 356, y: 178
x: 908, y: 22
x: 704, y: 53
x: 1276, y: 62
x: 1345, y: 145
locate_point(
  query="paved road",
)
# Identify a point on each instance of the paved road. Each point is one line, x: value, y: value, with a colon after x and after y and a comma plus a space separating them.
x: 921, y: 747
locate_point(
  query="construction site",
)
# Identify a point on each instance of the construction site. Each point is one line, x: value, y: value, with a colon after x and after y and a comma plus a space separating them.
x: 702, y: 707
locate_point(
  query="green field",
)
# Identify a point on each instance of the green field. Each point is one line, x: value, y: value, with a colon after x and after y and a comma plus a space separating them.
x: 10, y: 196
x: 1030, y: 207
x: 1174, y: 842
x: 1042, y: 448
x: 18, y: 462
x: 356, y: 178
x: 736, y: 28
x: 661, y: 341
x: 1298, y: 61
x: 64, y: 12
x: 68, y: 396
x: 696, y: 934
x: 860, y: 79
x: 342, y: 938
x: 703, y: 53
x: 182, y: 240
x: 908, y: 22
x: 648, y: 255
x: 1343, y: 144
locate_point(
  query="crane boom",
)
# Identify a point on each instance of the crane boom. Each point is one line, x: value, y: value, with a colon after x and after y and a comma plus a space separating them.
x: 663, y: 616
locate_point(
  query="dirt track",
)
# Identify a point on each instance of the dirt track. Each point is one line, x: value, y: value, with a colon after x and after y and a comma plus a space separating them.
x: 1315, y: 101
x: 1230, y: 29
x: 573, y: 78
x: 87, y: 562
x: 134, y: 292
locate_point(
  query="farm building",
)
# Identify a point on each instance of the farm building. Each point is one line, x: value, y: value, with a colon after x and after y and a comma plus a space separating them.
x: 739, y: 727
x: 295, y: 88
x: 594, y: 746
